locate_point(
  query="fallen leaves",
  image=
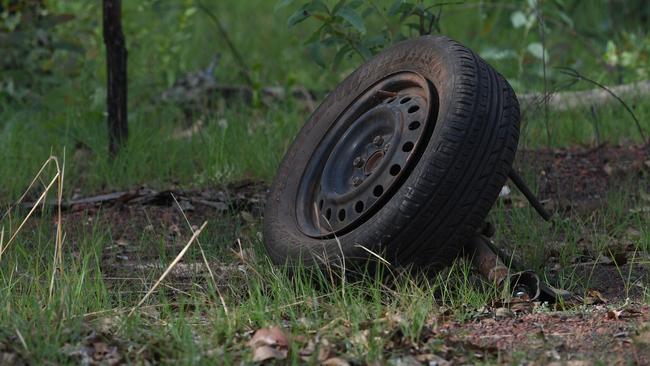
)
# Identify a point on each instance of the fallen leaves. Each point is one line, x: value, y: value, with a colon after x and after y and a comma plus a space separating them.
x: 94, y: 351
x: 623, y: 313
x: 269, y: 343
x: 594, y: 297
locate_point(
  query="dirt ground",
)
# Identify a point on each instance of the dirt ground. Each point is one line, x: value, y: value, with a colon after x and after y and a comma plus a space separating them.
x: 614, y: 330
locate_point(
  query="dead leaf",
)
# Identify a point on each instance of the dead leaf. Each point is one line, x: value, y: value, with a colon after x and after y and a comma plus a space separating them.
x: 273, y: 336
x: 614, y: 314
x: 504, y: 313
x: 335, y: 361
x: 404, y: 361
x: 644, y: 195
x: 432, y: 359
x: 265, y: 353
x: 7, y: 358
x: 608, y: 169
x: 269, y: 343
x: 594, y: 297
x: 248, y: 217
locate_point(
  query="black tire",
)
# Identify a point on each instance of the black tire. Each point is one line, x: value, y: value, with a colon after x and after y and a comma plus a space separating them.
x: 448, y: 191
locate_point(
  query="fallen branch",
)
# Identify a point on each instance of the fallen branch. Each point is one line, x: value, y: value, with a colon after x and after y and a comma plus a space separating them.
x: 170, y: 267
x: 563, y: 101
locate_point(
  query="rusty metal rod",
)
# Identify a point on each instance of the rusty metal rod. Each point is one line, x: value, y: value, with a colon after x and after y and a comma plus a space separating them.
x: 487, y: 260
x: 530, y: 196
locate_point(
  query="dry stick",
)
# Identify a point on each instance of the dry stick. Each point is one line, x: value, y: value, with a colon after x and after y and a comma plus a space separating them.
x: 572, y: 72
x: 205, y: 260
x: 36, y: 177
x: 2, y: 241
x: 170, y: 267
x: 58, y: 244
x: 4, y: 249
x: 245, y: 71
x: 21, y: 339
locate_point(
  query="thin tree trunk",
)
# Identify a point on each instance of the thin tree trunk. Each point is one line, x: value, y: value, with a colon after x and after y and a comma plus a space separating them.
x: 116, y: 69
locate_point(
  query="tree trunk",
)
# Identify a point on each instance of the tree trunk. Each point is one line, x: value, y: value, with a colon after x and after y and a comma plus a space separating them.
x: 116, y: 69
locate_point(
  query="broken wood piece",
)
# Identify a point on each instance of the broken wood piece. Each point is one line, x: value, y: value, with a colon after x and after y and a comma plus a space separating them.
x: 563, y: 101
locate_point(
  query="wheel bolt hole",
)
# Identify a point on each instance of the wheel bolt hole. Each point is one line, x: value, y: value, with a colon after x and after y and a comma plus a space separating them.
x: 359, y: 206
x: 408, y: 146
x: 414, y: 109
x: 390, y: 100
x: 395, y: 169
x: 328, y: 214
x: 320, y: 204
x: 342, y: 215
x: 378, y: 191
x: 414, y: 125
x: 405, y: 100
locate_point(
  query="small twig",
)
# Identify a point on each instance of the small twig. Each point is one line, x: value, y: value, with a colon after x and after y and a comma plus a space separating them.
x: 58, y: 244
x: 31, y: 184
x: 169, y: 268
x: 2, y: 240
x: 22, y: 340
x: 244, y: 70
x: 42, y: 196
x: 572, y: 72
x: 205, y: 259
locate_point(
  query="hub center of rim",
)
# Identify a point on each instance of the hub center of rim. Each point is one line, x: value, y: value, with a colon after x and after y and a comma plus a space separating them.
x: 373, y: 161
x: 361, y: 160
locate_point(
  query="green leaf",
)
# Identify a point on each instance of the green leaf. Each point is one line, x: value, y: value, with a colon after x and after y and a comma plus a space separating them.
x: 315, y: 51
x: 315, y: 37
x: 281, y: 4
x: 395, y: 8
x: 492, y: 53
x: 364, y: 51
x: 536, y: 49
x: 518, y: 19
x: 367, y: 12
x: 338, y: 6
x: 565, y: 18
x: 354, y: 4
x: 374, y: 42
x: 306, y: 11
x: 316, y: 6
x: 407, y: 10
x: 343, y: 51
x: 297, y: 17
x: 351, y: 16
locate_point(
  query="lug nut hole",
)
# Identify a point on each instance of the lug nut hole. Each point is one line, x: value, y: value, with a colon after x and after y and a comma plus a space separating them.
x: 378, y: 191
x: 414, y: 125
x: 395, y: 169
x: 414, y: 109
x: 342, y: 215
x: 408, y: 146
x: 328, y: 214
x: 405, y: 100
x: 359, y: 206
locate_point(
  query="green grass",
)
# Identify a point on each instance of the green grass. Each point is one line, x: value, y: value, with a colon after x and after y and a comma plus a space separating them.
x: 192, y: 326
x: 185, y: 322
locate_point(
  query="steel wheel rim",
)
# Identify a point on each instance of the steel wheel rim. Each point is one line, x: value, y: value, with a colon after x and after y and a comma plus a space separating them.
x: 366, y: 155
